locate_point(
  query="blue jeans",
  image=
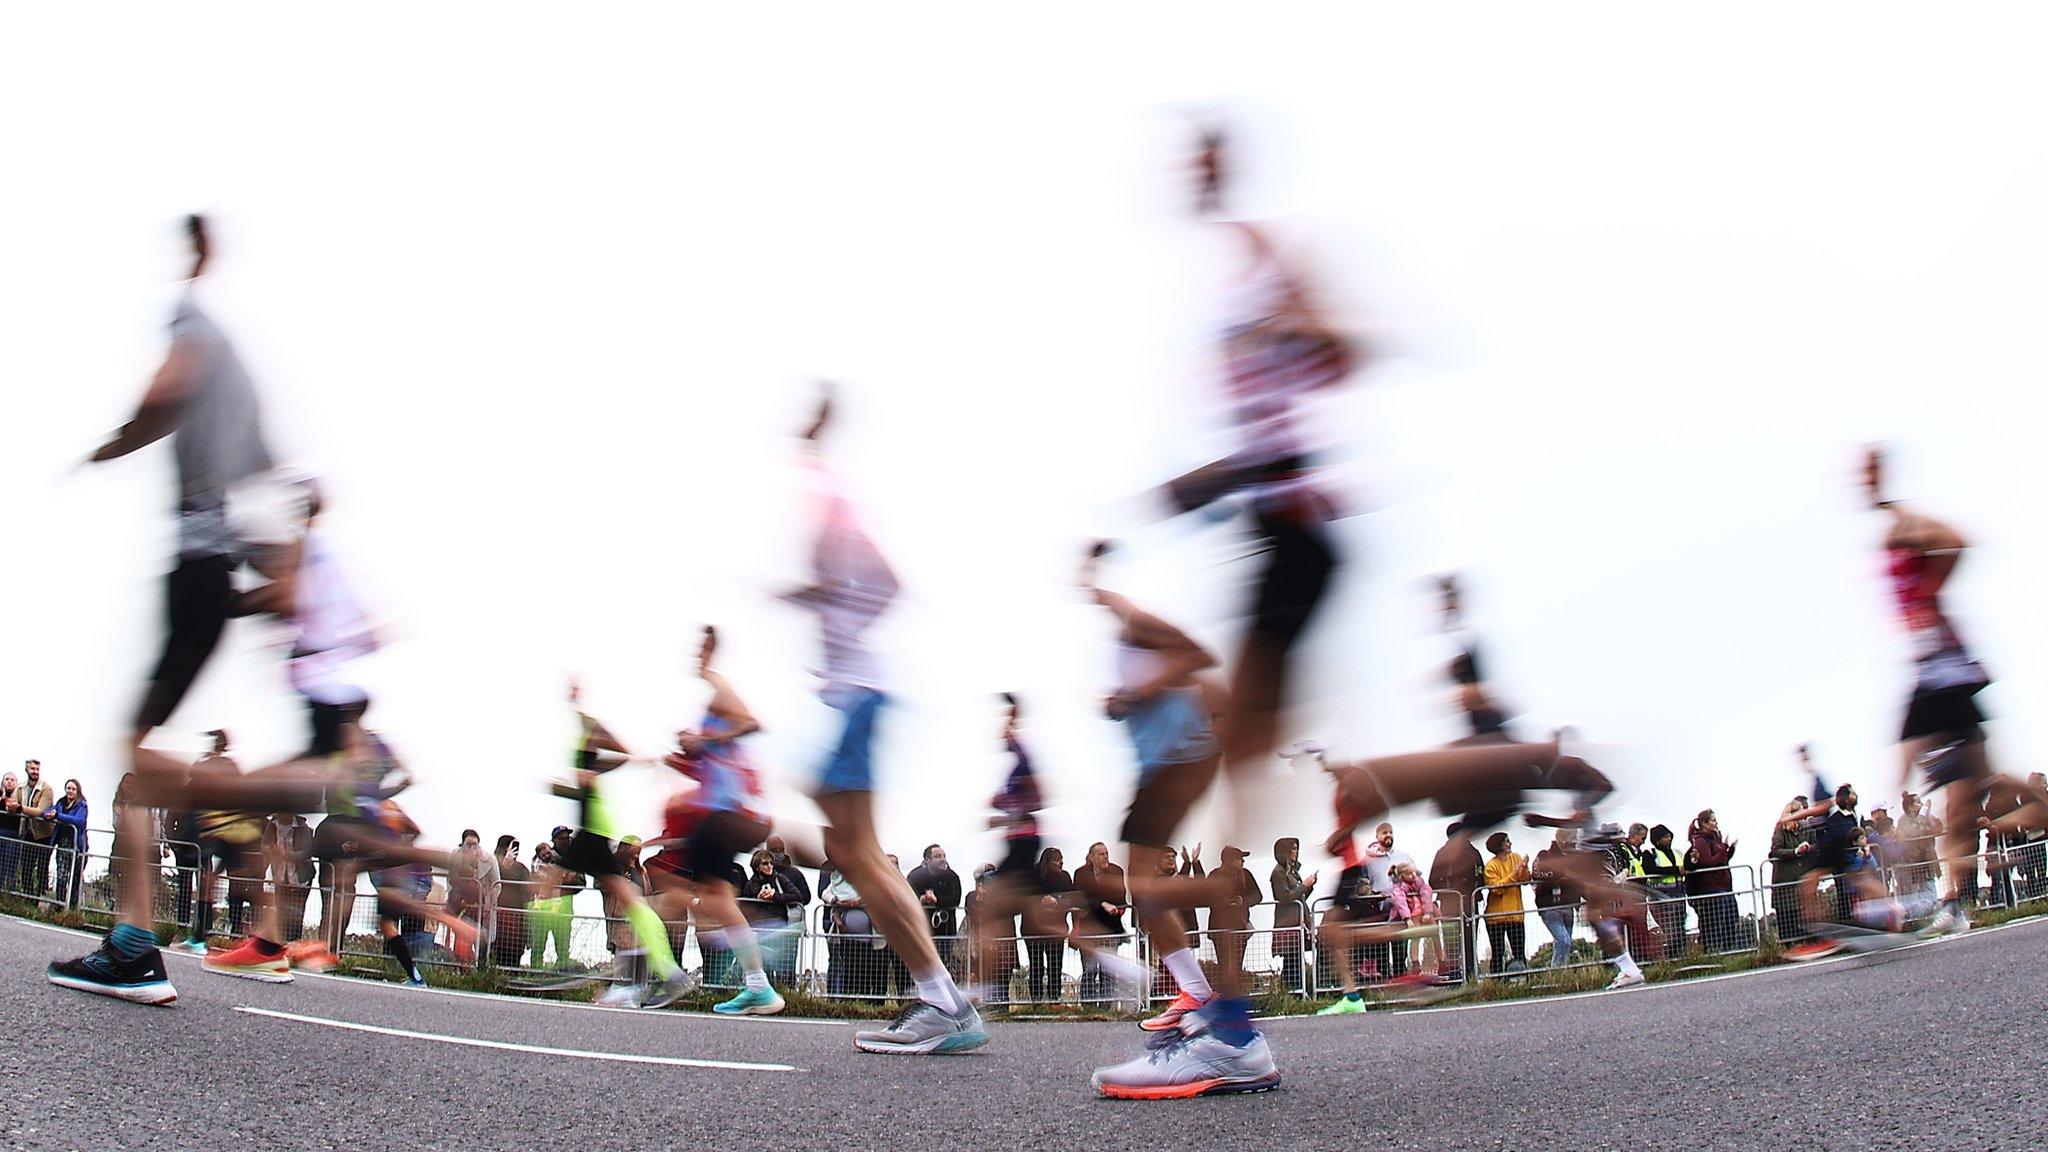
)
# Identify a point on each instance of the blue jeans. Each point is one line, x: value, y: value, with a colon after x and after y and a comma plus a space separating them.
x: 1559, y: 922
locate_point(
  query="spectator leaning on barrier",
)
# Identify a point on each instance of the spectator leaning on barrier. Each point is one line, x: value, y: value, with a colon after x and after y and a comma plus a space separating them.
x: 938, y: 893
x: 1506, y: 872
x: 786, y: 867
x: 69, y: 840
x: 1918, y: 830
x: 1291, y: 894
x: 770, y: 902
x: 37, y: 829
x: 1102, y: 898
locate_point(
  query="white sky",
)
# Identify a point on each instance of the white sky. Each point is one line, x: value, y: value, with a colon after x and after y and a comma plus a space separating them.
x: 540, y: 296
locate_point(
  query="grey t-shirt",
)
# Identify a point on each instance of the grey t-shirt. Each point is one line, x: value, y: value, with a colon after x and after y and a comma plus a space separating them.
x: 219, y: 440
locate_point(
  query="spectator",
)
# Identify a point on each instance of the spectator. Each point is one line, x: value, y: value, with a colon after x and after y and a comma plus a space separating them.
x: 294, y: 874
x: 515, y: 892
x: 1191, y: 866
x: 1918, y: 832
x: 1788, y: 866
x: 551, y: 912
x: 1103, y: 897
x: 1380, y: 856
x: 1506, y: 872
x: 851, y: 967
x: 629, y: 958
x: 938, y: 892
x: 1556, y: 901
x: 769, y: 901
x: 1412, y: 903
x: 10, y: 832
x: 1664, y: 873
x: 1045, y: 927
x: 985, y: 924
x: 1709, y: 883
x: 1230, y: 916
x: 1290, y: 904
x: 1883, y: 830
x: 2030, y: 850
x: 1457, y: 868
x: 787, y: 868
x: 473, y: 883
x: 1632, y: 851
x: 70, y: 842
x: 37, y: 829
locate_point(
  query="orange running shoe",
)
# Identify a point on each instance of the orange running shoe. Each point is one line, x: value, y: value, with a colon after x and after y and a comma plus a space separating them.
x: 311, y: 955
x: 246, y: 960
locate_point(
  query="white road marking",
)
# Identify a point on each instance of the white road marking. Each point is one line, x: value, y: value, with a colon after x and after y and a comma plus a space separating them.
x: 531, y: 1049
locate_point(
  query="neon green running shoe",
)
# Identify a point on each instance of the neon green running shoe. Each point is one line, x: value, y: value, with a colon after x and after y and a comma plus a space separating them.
x: 1345, y: 1006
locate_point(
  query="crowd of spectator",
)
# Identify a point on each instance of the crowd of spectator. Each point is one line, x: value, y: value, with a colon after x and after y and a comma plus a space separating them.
x: 524, y: 905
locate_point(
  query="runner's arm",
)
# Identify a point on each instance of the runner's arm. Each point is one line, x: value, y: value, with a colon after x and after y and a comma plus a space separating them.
x: 163, y: 405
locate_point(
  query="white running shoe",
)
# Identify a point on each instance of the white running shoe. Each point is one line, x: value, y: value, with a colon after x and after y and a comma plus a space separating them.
x: 621, y: 996
x: 921, y: 1029
x: 1624, y: 980
x: 1181, y: 1067
x: 1951, y: 918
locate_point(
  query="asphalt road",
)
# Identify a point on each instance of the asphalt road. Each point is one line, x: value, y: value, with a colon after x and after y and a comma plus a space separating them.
x: 1935, y: 1046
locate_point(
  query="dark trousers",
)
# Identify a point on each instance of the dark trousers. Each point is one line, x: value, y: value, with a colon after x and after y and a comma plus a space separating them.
x: 198, y: 594
x: 35, y: 868
x: 10, y: 862
x: 1510, y: 940
x: 1047, y: 953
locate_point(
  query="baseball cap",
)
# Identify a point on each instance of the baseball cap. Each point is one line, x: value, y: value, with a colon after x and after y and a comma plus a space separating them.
x: 559, y: 829
x: 632, y: 840
x: 1234, y: 850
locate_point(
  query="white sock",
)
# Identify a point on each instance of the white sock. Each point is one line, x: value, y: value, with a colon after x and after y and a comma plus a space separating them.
x: 1187, y: 972
x: 1627, y: 964
x: 937, y: 989
x: 1120, y: 969
x: 757, y: 980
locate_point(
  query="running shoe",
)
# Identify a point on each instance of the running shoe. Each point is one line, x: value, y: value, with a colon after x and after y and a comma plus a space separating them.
x: 1171, y: 1016
x: 246, y: 961
x: 1624, y: 980
x: 1951, y: 918
x: 192, y: 944
x: 416, y: 980
x: 751, y: 1002
x: 667, y: 992
x: 311, y: 955
x: 142, y: 980
x: 922, y: 1029
x: 1345, y: 1006
x: 621, y: 996
x: 1813, y: 949
x: 1191, y: 1066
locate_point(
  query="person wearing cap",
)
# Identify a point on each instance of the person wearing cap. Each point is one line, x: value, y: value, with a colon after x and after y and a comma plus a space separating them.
x: 1230, y: 910
x: 1291, y: 893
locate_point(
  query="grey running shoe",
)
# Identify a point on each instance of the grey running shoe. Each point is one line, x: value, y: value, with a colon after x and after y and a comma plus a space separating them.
x: 666, y: 992
x: 923, y: 1028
